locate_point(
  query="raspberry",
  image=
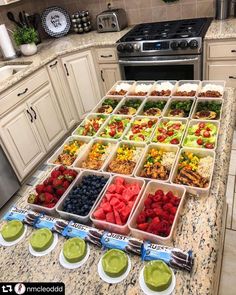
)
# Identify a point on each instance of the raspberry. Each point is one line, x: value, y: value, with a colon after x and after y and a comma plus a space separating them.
x: 157, y: 211
x: 171, y: 219
x: 167, y: 207
x: 141, y: 218
x: 159, y: 192
x: 150, y: 213
x: 170, y: 195
x: 173, y: 210
x: 156, y: 220
x: 155, y: 205
x: 165, y: 215
x: 148, y: 202
x: 143, y: 226
x: 157, y: 198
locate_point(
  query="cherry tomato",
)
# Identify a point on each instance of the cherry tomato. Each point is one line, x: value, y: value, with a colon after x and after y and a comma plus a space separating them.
x: 160, y: 138
x: 197, y: 132
x: 176, y: 126
x: 142, y: 136
x: 200, y: 141
x: 209, y: 145
x: 208, y: 129
x: 170, y: 133
x: 161, y: 130
x: 201, y: 125
x: 112, y: 132
x: 96, y: 126
x: 206, y: 134
x: 174, y: 141
x: 150, y: 124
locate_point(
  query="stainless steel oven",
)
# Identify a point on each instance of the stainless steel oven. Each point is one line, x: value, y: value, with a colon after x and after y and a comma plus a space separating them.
x: 186, y: 67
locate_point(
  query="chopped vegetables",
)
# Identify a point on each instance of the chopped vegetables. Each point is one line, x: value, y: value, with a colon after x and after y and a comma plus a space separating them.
x: 108, y: 106
x: 130, y: 107
x: 90, y: 126
x: 115, y: 127
x: 208, y: 110
x: 180, y: 108
x: 141, y: 129
x: 154, y: 108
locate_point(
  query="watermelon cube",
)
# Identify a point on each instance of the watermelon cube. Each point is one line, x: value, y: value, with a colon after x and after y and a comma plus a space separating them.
x: 106, y: 207
x: 117, y: 217
x: 119, y: 180
x: 114, y: 202
x: 124, y: 214
x: 110, y: 217
x: 99, y: 214
x: 111, y: 188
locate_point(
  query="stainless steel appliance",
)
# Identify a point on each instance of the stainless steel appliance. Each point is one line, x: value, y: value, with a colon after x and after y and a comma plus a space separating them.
x: 223, y: 8
x: 163, y: 51
x: 111, y: 20
x: 9, y: 183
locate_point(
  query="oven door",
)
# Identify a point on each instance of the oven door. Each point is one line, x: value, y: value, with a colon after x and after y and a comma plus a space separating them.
x: 162, y: 68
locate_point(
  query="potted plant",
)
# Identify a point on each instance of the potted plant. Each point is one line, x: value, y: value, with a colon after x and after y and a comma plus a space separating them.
x: 26, y: 38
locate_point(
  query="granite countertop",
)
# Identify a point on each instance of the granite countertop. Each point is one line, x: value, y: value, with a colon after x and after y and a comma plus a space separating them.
x: 222, y: 29
x: 199, y: 229
x: 53, y: 48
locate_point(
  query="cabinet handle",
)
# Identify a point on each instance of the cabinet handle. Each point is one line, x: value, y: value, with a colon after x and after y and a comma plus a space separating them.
x: 24, y: 92
x: 67, y: 72
x: 232, y: 77
x: 31, y: 117
x: 233, y: 50
x: 106, y: 56
x: 102, y: 76
x: 35, y: 115
x: 53, y: 65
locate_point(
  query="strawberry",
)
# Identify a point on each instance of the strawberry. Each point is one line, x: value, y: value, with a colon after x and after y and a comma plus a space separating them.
x: 40, y: 188
x: 48, y: 198
x: 46, y: 182
x: 49, y: 189
x: 66, y: 184
x: 50, y: 205
x: 32, y: 199
x: 57, y: 183
x: 70, y: 174
x: 60, y: 191
x: 143, y: 226
x: 55, y: 173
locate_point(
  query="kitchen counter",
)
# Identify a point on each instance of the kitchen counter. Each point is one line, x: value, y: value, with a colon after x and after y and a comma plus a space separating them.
x: 222, y: 29
x: 199, y: 229
x: 53, y: 48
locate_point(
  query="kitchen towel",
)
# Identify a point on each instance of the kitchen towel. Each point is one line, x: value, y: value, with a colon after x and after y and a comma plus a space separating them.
x: 6, y: 44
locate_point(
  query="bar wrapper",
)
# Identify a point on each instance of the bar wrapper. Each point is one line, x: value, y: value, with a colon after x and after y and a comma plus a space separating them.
x: 24, y: 215
x: 87, y: 233
x: 124, y: 243
x: 173, y: 257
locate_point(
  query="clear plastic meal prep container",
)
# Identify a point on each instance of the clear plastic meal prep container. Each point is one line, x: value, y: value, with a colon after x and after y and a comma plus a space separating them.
x: 181, y: 82
x: 153, y: 98
x: 132, y: 91
x: 159, y: 82
x: 108, y: 122
x: 151, y: 188
x: 78, y: 162
x: 111, y: 227
x: 118, y: 98
x: 136, y: 144
x: 164, y: 147
x: 50, y: 211
x: 127, y: 98
x: 194, y: 122
x: 216, y: 82
x: 88, y: 117
x: 200, y: 153
x: 179, y: 98
x: 199, y: 100
x: 72, y: 216
x: 130, y: 82
x: 58, y: 152
x: 168, y: 119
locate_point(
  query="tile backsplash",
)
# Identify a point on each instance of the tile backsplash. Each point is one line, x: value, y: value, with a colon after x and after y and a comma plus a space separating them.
x: 137, y: 10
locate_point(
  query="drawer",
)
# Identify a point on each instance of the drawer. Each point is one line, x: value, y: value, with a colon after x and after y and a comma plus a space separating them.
x: 105, y: 55
x: 223, y: 72
x: 22, y: 90
x: 221, y: 50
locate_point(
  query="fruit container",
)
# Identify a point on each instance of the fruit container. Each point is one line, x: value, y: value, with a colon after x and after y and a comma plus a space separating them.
x: 132, y: 90
x: 159, y: 82
x: 164, y: 119
x: 201, y: 153
x: 118, y: 83
x: 50, y: 211
x: 153, y: 99
x: 80, y: 218
x: 78, y: 162
x: 182, y: 82
x: 217, y: 83
x: 112, y: 227
x: 156, y: 146
x: 182, y: 99
x: 59, y: 151
x: 209, y: 101
x: 128, y: 143
x: 122, y: 117
x: 151, y: 188
x: 195, y: 122
x: 99, y: 105
x: 146, y: 137
x: 89, y: 117
x: 126, y: 100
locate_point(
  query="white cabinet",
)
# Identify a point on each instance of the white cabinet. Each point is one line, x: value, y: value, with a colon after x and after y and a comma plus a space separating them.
x: 81, y: 74
x: 63, y: 93
x: 6, y: 2
x: 109, y: 74
x: 21, y: 140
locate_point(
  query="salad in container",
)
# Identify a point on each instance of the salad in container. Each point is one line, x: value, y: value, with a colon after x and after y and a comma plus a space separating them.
x: 153, y: 107
x: 130, y: 106
x: 115, y: 127
x: 90, y: 126
x: 208, y: 109
x: 108, y: 106
x: 179, y: 108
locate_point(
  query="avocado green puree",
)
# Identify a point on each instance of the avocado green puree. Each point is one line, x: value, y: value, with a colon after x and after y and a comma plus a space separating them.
x: 12, y: 230
x: 114, y: 263
x: 41, y: 239
x: 157, y: 275
x: 74, y: 250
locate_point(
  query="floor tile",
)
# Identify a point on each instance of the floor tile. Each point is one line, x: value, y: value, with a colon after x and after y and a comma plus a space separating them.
x: 234, y: 141
x: 232, y: 166
x: 229, y: 199
x: 228, y: 273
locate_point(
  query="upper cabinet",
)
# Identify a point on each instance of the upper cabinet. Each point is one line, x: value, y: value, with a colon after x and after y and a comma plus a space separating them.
x: 82, y: 78
x: 6, y: 2
x: 220, y: 61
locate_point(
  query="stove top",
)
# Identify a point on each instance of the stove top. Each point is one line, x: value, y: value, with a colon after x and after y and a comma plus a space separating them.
x: 165, y: 37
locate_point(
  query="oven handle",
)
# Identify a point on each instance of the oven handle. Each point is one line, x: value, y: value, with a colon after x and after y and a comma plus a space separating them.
x: 158, y: 62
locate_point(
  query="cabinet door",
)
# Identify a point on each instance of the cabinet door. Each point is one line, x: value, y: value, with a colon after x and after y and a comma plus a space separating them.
x: 63, y: 94
x: 225, y: 72
x: 82, y: 78
x: 47, y: 116
x: 109, y: 74
x: 21, y: 140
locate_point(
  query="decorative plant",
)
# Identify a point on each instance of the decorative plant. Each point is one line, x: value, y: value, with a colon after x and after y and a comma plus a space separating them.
x: 25, y: 36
